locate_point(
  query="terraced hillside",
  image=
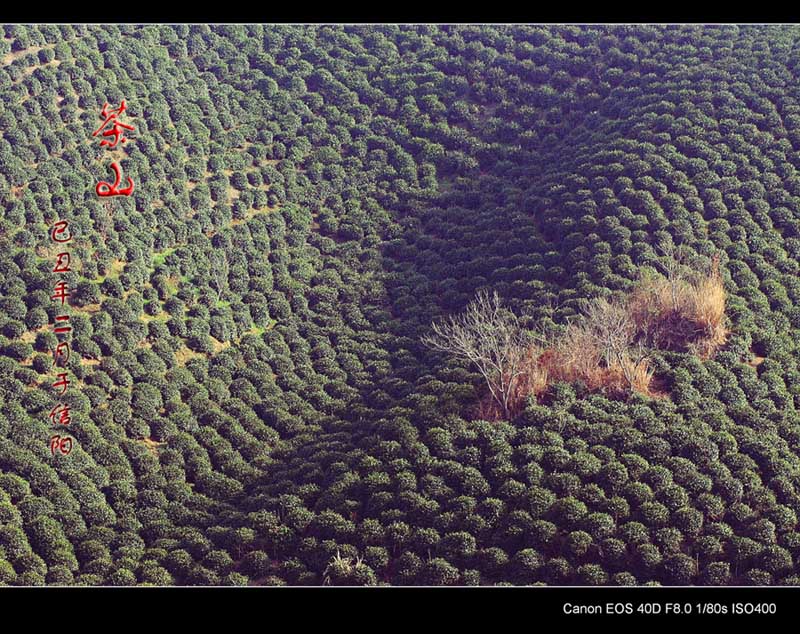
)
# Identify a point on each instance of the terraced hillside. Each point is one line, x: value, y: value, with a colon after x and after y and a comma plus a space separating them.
x: 251, y: 399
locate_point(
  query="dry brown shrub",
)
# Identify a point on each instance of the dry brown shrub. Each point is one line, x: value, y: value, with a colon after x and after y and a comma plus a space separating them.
x: 534, y: 378
x: 532, y: 381
x: 681, y: 313
x: 636, y: 374
x: 606, y: 349
x: 488, y: 409
x: 574, y: 357
x: 577, y: 357
x: 707, y: 312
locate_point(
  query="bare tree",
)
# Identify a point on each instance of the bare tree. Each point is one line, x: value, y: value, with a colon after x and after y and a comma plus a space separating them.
x: 614, y: 332
x: 673, y: 266
x: 610, y: 326
x: 492, y: 339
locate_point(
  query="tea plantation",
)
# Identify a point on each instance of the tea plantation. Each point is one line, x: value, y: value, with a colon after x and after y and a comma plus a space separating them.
x: 252, y: 401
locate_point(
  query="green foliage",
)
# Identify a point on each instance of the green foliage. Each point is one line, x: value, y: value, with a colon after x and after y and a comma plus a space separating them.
x: 252, y: 405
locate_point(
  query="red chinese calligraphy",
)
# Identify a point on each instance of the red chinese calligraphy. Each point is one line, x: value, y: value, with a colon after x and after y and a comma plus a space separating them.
x: 117, y: 127
x: 62, y: 382
x: 59, y: 352
x: 60, y: 291
x: 59, y: 228
x: 107, y: 189
x: 61, y: 266
x: 59, y: 329
x: 62, y: 445
x: 62, y: 412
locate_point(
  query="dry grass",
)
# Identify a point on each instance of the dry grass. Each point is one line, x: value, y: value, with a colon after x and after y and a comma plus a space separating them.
x: 219, y: 345
x: 574, y: 357
x: 577, y: 357
x: 87, y: 308
x: 707, y: 310
x: 8, y: 58
x: 534, y: 378
x: 685, y: 315
x: 340, y: 568
x: 633, y: 374
x: 152, y: 445
x: 30, y: 335
x: 184, y: 354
